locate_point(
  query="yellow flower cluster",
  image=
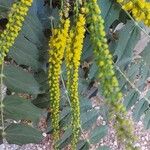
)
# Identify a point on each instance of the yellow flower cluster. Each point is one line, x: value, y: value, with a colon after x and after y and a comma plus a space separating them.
x: 15, y: 21
x: 103, y: 56
x: 140, y: 9
x: 73, y: 55
x: 107, y: 76
x: 57, y: 46
x: 68, y: 58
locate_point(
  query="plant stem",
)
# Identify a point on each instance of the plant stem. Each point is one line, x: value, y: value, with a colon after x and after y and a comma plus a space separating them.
x: 51, y: 6
x: 68, y: 99
x: 1, y: 98
x: 131, y: 84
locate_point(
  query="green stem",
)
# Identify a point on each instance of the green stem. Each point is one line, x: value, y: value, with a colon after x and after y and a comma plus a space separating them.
x: 68, y: 99
x: 1, y: 99
x: 62, y: 5
x: 76, y: 7
x: 51, y: 6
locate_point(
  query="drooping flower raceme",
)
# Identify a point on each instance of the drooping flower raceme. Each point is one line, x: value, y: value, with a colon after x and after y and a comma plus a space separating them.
x: 108, y: 80
x: 16, y: 18
x: 73, y: 55
x: 57, y: 46
x: 102, y: 54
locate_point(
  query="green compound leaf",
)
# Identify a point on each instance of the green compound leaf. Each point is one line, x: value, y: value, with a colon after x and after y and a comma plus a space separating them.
x: 128, y: 36
x: 103, y: 148
x: 110, y: 12
x: 85, y: 104
x: 146, y: 55
x: 88, y: 118
x: 4, y: 6
x: 65, y: 139
x: 42, y: 101
x: 18, y: 80
x: 87, y: 49
x: 131, y: 99
x: 98, y: 133
x: 147, y: 120
x: 25, y: 53
x: 139, y: 109
x: 83, y: 145
x: 134, y: 76
x: 18, y: 108
x: 22, y: 134
x: 93, y: 71
x: 27, y: 47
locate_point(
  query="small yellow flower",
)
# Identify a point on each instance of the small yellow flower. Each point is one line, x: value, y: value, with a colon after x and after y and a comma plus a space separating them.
x: 73, y: 55
x: 139, y: 8
x: 57, y: 45
x: 13, y: 27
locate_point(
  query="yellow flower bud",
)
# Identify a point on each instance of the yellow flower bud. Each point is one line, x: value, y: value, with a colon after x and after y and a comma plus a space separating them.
x: 13, y: 27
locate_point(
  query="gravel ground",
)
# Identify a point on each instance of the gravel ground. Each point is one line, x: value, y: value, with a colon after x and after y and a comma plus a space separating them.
x: 143, y: 142
x: 110, y: 140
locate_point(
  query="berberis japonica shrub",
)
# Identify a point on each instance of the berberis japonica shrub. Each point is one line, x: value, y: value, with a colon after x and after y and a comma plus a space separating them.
x: 52, y: 53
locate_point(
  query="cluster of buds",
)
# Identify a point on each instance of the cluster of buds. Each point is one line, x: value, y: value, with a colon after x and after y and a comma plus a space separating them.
x: 57, y: 46
x: 16, y: 18
x: 140, y: 9
x: 73, y: 55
